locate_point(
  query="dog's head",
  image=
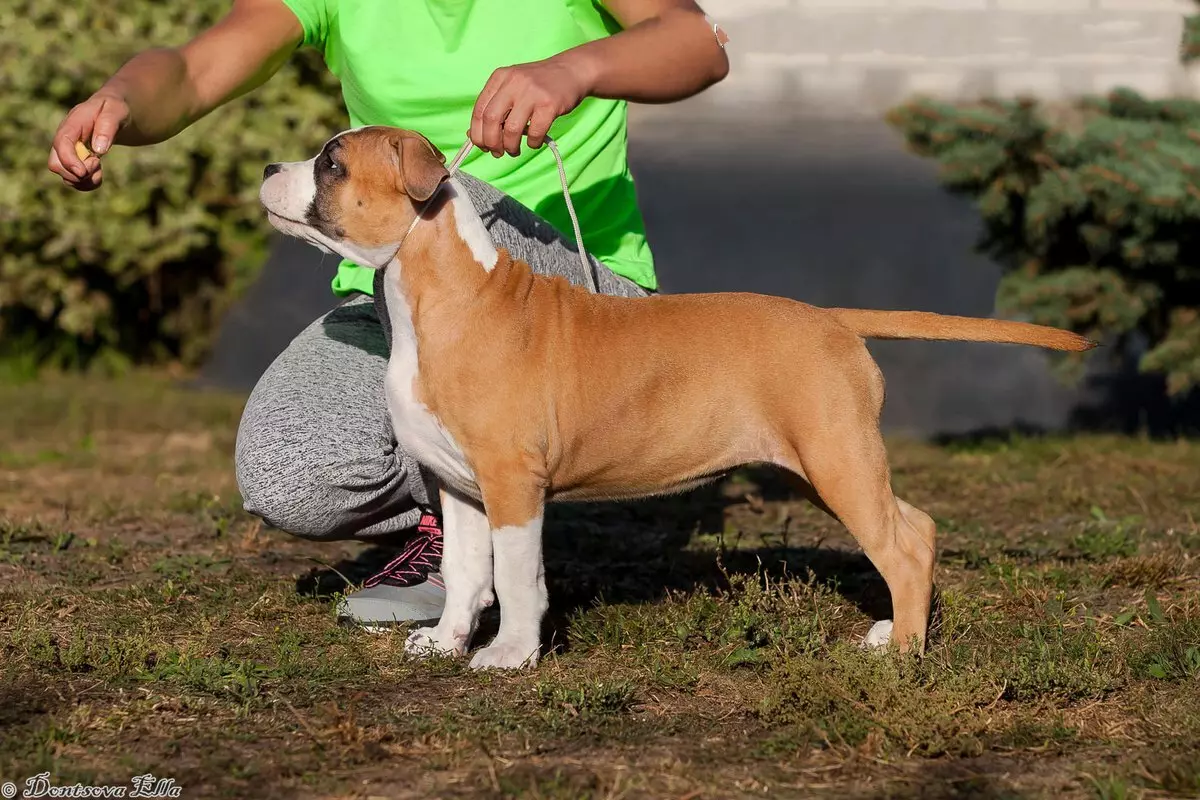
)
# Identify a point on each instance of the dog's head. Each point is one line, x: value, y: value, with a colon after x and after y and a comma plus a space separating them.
x: 359, y: 196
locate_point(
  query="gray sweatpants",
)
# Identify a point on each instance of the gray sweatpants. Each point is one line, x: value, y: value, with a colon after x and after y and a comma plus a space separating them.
x: 316, y: 453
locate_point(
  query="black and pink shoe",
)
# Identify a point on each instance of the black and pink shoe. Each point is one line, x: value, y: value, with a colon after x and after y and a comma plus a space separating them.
x: 408, y: 589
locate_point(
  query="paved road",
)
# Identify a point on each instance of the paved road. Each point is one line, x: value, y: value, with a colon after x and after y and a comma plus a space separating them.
x: 830, y: 213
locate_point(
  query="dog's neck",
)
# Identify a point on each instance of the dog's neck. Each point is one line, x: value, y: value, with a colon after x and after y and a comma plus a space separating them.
x: 441, y: 267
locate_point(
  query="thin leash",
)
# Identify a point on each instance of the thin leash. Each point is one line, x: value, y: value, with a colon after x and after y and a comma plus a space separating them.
x: 588, y: 267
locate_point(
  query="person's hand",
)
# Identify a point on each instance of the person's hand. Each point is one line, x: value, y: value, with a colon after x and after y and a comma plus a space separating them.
x: 95, y: 123
x: 525, y: 96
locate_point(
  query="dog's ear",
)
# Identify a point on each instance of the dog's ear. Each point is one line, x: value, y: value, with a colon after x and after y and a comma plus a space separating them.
x: 422, y: 166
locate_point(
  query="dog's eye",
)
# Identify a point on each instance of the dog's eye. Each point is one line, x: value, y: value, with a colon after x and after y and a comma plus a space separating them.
x: 331, y: 165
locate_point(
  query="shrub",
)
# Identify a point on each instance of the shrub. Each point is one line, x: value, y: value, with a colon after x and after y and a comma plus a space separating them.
x: 141, y: 269
x: 1093, y: 214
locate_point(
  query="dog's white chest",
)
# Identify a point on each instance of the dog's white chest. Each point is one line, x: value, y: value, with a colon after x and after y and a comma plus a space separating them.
x: 421, y: 434
x: 418, y: 430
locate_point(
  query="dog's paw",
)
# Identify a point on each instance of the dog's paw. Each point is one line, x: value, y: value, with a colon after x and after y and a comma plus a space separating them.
x: 879, y: 636
x: 499, y: 655
x: 425, y: 642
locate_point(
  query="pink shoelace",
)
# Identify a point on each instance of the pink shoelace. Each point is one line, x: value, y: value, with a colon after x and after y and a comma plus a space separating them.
x: 421, y: 557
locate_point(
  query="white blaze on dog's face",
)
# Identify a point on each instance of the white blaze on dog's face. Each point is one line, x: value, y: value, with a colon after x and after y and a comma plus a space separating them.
x: 358, y: 198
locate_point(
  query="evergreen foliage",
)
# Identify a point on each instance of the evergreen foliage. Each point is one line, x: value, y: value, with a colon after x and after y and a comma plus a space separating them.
x: 1093, y: 212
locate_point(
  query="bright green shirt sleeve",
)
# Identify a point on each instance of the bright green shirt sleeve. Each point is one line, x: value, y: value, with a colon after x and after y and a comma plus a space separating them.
x: 315, y: 17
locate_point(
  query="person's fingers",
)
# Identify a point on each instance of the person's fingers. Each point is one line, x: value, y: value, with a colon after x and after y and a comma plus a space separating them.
x: 55, y: 165
x: 493, y: 121
x: 539, y: 126
x: 478, y: 124
x: 110, y: 118
x: 70, y: 132
x: 514, y: 127
x: 91, y: 182
x: 84, y: 134
x: 93, y: 177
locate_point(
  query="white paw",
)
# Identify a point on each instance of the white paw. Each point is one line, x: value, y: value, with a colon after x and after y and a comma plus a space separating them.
x: 879, y: 635
x: 498, y: 655
x: 425, y: 642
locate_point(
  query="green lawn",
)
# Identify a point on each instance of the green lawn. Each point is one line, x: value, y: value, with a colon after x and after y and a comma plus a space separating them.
x: 704, y: 646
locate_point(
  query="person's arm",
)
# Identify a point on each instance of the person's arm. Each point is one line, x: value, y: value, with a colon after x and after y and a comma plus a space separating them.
x: 159, y: 92
x: 667, y: 51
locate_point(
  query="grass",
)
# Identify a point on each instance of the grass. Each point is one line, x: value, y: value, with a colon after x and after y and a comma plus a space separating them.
x: 702, y: 646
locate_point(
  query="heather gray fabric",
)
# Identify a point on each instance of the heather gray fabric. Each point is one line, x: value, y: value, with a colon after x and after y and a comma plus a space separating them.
x: 316, y: 455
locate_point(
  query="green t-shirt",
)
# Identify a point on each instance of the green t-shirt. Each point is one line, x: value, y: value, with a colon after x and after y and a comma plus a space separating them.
x: 421, y: 64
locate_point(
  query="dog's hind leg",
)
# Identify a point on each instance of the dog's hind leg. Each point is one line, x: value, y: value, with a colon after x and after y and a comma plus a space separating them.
x: 854, y: 486
x: 845, y: 462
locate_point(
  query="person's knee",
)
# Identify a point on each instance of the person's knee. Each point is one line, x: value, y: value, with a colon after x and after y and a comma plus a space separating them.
x: 291, y: 487
x: 282, y: 486
x: 312, y: 458
x: 284, y: 499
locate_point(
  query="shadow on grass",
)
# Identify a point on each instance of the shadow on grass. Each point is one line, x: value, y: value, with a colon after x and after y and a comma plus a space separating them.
x: 638, y: 552
x: 982, y: 778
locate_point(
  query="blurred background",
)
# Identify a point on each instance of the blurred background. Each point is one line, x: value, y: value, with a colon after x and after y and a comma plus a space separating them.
x: 1034, y: 160
x: 1028, y: 159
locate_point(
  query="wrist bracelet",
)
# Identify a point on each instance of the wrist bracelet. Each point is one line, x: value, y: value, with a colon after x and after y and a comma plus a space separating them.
x: 718, y: 32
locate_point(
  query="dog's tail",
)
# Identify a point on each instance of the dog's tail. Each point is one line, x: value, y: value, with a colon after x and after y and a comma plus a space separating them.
x: 938, y: 327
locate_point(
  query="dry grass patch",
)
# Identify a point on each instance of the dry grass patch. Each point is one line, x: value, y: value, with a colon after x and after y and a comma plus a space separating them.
x: 702, y: 646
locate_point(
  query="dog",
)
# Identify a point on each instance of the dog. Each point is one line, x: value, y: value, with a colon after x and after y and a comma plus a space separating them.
x: 516, y: 389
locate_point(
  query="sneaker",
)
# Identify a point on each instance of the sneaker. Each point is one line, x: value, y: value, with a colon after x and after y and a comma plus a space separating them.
x: 408, y: 589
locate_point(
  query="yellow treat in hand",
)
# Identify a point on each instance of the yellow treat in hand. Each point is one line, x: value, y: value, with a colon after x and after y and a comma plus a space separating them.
x: 82, y: 151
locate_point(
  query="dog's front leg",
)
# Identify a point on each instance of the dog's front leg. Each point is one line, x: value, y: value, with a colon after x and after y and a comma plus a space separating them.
x: 467, y: 570
x: 515, y: 511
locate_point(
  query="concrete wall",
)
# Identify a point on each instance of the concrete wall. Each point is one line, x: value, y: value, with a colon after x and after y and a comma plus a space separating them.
x: 839, y: 58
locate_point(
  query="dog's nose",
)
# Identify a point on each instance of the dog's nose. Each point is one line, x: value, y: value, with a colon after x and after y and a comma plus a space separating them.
x: 270, y: 170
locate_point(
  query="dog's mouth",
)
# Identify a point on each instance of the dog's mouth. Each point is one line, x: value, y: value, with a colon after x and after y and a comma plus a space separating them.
x: 299, y: 229
x: 373, y: 256
x: 274, y: 217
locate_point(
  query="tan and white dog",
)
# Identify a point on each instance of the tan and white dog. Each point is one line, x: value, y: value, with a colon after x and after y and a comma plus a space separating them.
x: 517, y: 389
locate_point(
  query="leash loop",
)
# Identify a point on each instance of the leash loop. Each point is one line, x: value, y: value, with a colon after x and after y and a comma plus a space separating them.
x: 588, y: 269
